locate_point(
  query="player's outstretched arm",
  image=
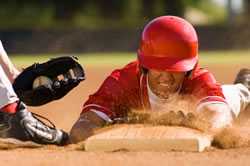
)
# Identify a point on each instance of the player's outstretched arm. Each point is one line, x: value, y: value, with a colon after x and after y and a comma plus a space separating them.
x: 212, y: 117
x: 85, y: 126
x: 9, y: 68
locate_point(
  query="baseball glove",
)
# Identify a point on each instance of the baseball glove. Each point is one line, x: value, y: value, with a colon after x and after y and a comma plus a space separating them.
x: 42, y: 83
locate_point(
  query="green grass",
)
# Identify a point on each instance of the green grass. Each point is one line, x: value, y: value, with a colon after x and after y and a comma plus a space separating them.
x: 93, y: 59
x: 120, y: 59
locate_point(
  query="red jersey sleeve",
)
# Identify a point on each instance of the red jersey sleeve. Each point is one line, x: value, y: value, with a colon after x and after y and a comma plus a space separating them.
x: 117, y: 94
x: 204, y: 87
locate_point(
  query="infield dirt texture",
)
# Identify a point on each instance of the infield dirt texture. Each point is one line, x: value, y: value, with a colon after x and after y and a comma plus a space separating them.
x: 65, y: 111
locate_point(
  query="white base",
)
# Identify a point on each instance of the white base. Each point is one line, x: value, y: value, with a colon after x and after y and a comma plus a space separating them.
x: 148, y: 138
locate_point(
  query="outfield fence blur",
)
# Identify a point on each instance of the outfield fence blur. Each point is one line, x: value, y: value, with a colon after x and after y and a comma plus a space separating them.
x: 112, y: 40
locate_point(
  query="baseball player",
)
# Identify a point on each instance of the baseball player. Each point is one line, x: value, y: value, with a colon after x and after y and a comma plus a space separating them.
x: 166, y: 72
x: 16, y: 121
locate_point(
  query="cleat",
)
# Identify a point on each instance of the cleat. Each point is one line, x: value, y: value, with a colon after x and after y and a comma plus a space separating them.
x: 243, y: 77
x: 25, y: 126
x: 4, y: 123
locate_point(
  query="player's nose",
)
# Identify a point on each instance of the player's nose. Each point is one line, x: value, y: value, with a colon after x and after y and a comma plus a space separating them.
x: 166, y: 77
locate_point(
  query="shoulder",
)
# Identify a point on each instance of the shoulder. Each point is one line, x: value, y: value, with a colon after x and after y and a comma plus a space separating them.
x: 203, y: 76
x: 130, y: 70
x: 202, y: 83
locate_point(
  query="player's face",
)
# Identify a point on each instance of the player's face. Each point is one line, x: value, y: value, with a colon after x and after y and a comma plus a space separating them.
x: 163, y: 83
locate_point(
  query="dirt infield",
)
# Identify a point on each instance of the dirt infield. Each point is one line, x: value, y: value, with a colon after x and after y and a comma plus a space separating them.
x: 65, y: 111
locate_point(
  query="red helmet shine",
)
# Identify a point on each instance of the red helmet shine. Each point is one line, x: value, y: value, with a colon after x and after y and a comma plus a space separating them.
x: 168, y: 43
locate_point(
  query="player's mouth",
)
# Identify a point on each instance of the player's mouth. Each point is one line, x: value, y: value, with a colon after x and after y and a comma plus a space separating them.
x: 167, y: 85
x: 163, y: 84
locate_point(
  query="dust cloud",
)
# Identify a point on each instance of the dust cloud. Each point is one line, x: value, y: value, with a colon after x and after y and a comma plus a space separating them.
x: 235, y: 136
x: 176, y: 112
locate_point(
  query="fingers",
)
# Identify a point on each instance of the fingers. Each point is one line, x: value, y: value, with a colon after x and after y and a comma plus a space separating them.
x: 172, y: 118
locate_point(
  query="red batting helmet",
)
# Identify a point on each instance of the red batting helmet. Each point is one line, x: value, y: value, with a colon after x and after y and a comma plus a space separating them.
x: 168, y: 43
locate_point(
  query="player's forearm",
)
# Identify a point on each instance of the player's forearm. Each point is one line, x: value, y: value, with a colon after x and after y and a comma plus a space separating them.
x: 7, y: 65
x: 85, y: 127
x: 82, y: 131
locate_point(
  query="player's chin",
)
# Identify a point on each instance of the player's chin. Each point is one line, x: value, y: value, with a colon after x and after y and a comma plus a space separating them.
x: 162, y: 94
x: 168, y: 89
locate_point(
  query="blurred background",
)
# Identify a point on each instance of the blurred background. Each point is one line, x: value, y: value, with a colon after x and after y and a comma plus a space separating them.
x: 80, y: 26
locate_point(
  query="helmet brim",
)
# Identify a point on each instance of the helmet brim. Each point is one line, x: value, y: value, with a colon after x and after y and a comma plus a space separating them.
x: 167, y: 64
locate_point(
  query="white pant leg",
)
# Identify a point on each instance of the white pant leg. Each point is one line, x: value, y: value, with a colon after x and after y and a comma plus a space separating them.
x: 237, y: 96
x: 7, y: 93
